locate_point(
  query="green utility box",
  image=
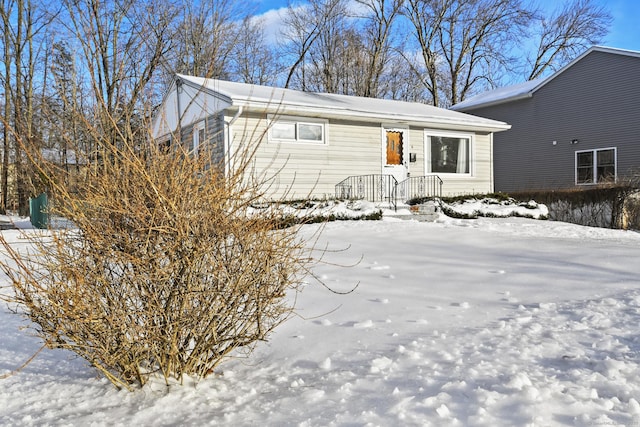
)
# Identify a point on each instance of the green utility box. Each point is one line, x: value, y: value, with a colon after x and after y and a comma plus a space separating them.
x: 38, y: 211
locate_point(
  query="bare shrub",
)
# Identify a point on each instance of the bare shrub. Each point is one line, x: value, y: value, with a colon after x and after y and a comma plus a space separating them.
x: 631, y: 212
x: 165, y: 270
x: 605, y: 205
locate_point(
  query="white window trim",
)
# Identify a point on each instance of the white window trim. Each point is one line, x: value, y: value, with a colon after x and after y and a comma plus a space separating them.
x: 195, y: 137
x: 452, y: 134
x: 298, y: 121
x: 595, y: 164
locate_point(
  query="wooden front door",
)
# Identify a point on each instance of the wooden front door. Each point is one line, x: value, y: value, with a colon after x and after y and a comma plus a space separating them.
x: 394, y: 147
x: 395, y: 163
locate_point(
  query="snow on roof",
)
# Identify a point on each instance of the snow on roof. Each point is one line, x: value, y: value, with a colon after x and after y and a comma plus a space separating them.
x: 527, y: 89
x: 497, y: 96
x: 242, y: 94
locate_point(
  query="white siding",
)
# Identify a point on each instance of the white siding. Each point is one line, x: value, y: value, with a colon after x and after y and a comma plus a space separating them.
x: 416, y: 145
x: 301, y: 170
x: 480, y: 180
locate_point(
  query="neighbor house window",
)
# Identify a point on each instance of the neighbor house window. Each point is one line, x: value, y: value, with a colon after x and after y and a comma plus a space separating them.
x: 448, y: 153
x: 291, y: 130
x: 595, y: 166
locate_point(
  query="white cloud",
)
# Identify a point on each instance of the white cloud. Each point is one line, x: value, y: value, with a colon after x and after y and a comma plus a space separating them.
x: 273, y: 24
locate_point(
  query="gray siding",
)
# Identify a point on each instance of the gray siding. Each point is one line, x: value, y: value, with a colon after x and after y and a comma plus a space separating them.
x: 596, y: 101
x: 214, y: 137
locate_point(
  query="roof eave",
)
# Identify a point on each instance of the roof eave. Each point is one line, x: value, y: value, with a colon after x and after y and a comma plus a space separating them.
x: 343, y: 113
x: 495, y: 102
x: 205, y: 88
x: 552, y: 76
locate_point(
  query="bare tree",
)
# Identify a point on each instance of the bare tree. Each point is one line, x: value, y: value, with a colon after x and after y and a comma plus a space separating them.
x: 122, y: 45
x: 351, y: 63
x: 327, y: 55
x: 571, y: 29
x: 5, y: 13
x: 254, y: 60
x: 464, y: 43
x: 22, y: 23
x: 206, y: 37
x: 63, y: 108
x: 402, y: 81
x: 426, y: 17
x: 475, y: 38
x: 379, y: 18
x: 303, y: 26
x: 340, y: 47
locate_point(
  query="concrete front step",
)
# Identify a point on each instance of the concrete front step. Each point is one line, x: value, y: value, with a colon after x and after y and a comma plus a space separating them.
x: 427, y: 212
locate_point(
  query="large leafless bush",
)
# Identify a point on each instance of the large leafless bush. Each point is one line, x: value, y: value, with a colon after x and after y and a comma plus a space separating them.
x: 165, y: 268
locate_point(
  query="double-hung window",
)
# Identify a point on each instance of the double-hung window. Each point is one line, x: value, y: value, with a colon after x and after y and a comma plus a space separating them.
x: 293, y: 130
x: 197, y: 139
x: 448, y: 153
x: 596, y: 166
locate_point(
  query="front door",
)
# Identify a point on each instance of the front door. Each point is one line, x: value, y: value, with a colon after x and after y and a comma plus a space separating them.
x: 395, y: 157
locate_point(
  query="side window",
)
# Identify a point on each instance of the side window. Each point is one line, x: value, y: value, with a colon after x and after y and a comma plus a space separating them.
x: 596, y: 166
x: 310, y: 132
x: 283, y: 130
x: 197, y: 139
x: 584, y: 167
x: 286, y: 129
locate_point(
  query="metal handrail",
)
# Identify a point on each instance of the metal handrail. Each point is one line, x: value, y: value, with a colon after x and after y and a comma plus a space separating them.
x: 385, y: 188
x: 374, y: 188
x: 420, y: 187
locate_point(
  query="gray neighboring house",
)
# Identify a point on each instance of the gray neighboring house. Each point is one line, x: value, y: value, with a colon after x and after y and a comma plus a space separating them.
x: 576, y: 128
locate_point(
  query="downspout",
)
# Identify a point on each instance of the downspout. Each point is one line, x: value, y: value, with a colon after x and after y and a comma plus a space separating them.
x: 179, y: 125
x: 491, y: 162
x: 228, y: 140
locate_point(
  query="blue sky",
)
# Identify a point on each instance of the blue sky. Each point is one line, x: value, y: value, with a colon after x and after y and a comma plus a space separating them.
x: 625, y: 29
x: 624, y: 32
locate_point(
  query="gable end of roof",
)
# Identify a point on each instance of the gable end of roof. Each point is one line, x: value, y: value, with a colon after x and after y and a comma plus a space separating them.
x: 528, y: 89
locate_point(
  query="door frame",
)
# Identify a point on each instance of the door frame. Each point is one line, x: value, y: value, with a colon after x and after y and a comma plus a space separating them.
x: 400, y: 172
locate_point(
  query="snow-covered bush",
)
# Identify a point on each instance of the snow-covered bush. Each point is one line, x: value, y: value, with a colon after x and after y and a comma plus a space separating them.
x: 495, y: 205
x: 164, y: 271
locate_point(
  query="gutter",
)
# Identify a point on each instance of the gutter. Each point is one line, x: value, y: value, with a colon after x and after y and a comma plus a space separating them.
x: 377, y: 117
x: 178, y: 92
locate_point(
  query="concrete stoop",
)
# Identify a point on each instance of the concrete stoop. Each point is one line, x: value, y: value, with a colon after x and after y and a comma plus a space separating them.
x: 425, y: 212
x: 428, y: 211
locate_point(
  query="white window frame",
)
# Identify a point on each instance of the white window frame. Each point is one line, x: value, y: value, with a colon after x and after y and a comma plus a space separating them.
x: 449, y: 134
x: 594, y: 153
x: 297, y: 122
x: 195, y: 137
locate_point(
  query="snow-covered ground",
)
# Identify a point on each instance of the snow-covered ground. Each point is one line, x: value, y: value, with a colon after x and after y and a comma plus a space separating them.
x: 488, y: 322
